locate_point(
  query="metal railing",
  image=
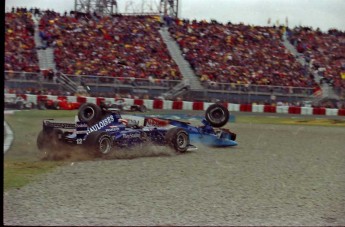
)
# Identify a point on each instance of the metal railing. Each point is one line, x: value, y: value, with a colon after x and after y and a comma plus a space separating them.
x: 261, y: 89
x: 157, y: 87
x: 90, y: 80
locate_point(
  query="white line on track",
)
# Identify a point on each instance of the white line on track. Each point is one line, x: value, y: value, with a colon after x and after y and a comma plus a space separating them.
x: 8, y: 137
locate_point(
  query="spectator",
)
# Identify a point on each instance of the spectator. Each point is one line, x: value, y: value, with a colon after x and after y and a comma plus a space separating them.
x: 118, y: 46
x: 326, y: 52
x: 238, y: 54
x: 20, y: 52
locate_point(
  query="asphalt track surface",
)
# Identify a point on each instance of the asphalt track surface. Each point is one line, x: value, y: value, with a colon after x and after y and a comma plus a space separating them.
x: 278, y: 175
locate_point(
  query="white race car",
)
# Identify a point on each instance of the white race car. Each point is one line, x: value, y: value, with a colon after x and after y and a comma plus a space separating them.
x: 122, y: 105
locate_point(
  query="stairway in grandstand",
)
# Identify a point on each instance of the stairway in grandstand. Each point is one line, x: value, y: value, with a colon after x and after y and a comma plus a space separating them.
x: 45, y: 55
x: 327, y: 90
x: 188, y: 74
x: 46, y: 60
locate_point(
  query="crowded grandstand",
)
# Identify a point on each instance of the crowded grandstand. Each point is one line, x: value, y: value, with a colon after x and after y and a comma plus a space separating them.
x: 127, y: 56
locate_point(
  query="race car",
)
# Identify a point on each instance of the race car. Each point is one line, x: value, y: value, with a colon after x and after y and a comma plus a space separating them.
x: 100, y: 130
x: 17, y: 102
x: 210, y: 133
x: 61, y: 103
x: 123, y: 106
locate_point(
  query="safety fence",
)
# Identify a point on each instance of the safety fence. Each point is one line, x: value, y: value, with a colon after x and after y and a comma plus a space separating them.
x: 108, y: 86
x: 159, y: 104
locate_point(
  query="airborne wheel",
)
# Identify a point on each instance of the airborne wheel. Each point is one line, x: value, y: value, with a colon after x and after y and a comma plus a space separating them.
x: 89, y: 113
x: 217, y: 115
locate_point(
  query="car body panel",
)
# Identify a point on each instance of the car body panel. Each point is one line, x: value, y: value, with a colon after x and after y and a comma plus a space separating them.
x: 113, y: 125
x: 205, y: 134
x: 61, y: 103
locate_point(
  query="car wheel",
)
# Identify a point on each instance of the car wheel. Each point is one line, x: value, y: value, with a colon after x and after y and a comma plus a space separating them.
x: 178, y: 139
x: 142, y: 108
x: 41, y: 105
x: 99, y: 142
x: 56, y: 105
x: 89, y: 113
x: 217, y: 115
x: 20, y: 105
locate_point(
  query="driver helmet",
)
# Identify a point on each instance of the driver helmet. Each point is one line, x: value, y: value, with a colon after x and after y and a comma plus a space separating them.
x: 123, y: 121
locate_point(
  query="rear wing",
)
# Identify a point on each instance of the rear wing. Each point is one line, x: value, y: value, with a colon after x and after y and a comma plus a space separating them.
x: 79, y: 128
x: 50, y: 124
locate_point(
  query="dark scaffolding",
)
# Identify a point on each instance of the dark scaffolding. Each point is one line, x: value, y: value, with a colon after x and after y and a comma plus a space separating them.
x: 169, y: 8
x: 101, y: 7
x: 131, y: 7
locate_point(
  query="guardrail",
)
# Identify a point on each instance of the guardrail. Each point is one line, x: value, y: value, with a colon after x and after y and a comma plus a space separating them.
x: 196, y: 105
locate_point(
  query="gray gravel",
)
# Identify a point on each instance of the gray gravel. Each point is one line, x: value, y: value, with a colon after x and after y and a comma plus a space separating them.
x: 278, y: 175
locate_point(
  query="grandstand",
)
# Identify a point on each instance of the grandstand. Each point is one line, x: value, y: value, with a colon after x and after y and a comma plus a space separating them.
x: 150, y: 55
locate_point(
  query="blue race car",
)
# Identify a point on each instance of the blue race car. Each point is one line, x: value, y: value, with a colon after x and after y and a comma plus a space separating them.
x: 209, y: 134
x: 99, y: 130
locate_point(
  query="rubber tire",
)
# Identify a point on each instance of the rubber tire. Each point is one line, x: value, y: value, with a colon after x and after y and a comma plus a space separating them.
x: 178, y: 139
x: 95, y: 141
x: 20, y: 105
x: 89, y: 108
x: 41, y: 106
x: 142, y: 108
x: 49, y: 140
x: 56, y: 105
x: 217, y: 115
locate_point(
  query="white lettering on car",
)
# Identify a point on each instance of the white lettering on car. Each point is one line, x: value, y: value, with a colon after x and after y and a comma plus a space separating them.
x: 79, y: 141
x: 112, y: 129
x: 156, y: 122
x: 81, y: 125
x: 101, y: 124
x: 129, y: 136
